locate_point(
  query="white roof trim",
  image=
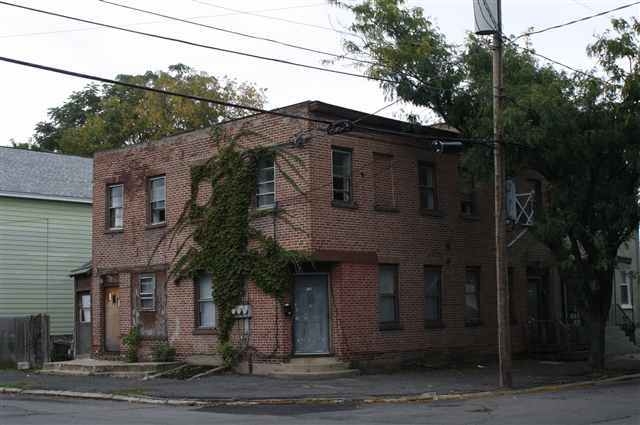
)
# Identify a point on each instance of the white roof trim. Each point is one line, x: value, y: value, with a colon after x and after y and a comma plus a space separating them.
x: 45, y: 197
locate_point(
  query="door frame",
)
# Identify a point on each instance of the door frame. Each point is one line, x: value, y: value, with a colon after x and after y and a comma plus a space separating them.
x: 104, y: 314
x: 329, y: 322
x: 76, y: 324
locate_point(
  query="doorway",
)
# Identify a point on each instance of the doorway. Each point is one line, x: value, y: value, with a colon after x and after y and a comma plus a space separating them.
x: 112, y: 319
x: 311, y: 318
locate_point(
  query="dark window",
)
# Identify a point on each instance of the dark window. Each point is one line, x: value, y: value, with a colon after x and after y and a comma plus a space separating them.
x: 388, y: 293
x: 147, y: 292
x: 468, y: 195
x: 157, y: 198
x: 341, y: 168
x: 383, y: 181
x: 427, y: 186
x: 265, y: 183
x: 432, y: 294
x: 206, y: 306
x: 115, y: 205
x: 472, y: 297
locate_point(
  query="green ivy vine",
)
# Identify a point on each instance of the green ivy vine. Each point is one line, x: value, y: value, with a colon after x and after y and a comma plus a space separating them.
x: 220, y: 237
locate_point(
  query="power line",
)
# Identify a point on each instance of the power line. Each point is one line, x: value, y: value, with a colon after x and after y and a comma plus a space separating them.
x: 220, y: 49
x: 205, y: 46
x: 290, y: 21
x: 241, y: 34
x: 575, y: 21
x: 159, y: 91
x: 157, y: 22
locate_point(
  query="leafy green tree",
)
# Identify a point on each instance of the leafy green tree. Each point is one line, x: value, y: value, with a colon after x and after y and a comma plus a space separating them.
x: 582, y: 134
x: 108, y: 116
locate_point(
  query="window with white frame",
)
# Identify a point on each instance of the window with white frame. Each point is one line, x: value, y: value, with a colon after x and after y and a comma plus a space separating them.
x: 206, y: 306
x: 148, y: 292
x: 341, y: 171
x: 388, y: 293
x: 115, y: 197
x: 157, y: 198
x: 265, y: 183
x: 84, y: 313
x: 625, y: 290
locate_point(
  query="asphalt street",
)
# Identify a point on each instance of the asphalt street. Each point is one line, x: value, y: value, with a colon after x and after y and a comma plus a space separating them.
x: 613, y: 404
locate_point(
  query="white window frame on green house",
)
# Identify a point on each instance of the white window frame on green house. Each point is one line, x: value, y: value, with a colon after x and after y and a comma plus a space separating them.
x: 157, y: 201
x: 116, y: 208
x: 266, y: 183
x: 147, y: 292
x: 625, y: 287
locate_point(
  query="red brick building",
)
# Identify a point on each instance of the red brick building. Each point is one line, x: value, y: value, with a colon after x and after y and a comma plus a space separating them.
x: 403, y: 246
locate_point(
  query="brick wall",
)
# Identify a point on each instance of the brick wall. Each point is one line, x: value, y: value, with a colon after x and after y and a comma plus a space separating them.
x: 353, y: 240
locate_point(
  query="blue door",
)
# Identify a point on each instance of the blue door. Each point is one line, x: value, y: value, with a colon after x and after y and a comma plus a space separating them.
x: 311, y: 319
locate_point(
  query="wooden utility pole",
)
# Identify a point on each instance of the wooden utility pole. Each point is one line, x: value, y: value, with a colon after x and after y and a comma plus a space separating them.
x: 504, y: 330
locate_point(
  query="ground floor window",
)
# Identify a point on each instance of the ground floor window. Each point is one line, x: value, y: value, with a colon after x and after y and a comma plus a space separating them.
x: 432, y: 295
x: 472, y: 297
x: 625, y: 290
x: 148, y: 292
x: 206, y: 306
x: 388, y: 293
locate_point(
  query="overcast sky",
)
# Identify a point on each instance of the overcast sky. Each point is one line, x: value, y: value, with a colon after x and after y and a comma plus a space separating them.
x: 26, y: 94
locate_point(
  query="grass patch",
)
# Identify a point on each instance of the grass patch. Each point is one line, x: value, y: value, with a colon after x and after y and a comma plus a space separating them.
x: 18, y: 385
x: 130, y: 392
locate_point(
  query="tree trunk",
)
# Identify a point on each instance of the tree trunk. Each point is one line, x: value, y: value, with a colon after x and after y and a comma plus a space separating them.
x: 600, y: 303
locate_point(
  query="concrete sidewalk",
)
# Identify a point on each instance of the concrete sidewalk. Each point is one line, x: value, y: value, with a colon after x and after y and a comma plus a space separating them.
x: 468, y: 379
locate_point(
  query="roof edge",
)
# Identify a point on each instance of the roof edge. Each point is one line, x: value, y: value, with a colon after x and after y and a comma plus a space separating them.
x: 43, y: 197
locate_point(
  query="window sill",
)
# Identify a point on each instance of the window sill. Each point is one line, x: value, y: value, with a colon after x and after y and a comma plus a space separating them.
x: 113, y: 231
x: 434, y: 324
x: 626, y: 306
x: 431, y: 213
x: 381, y: 208
x: 474, y: 324
x: 389, y: 326
x: 470, y: 217
x: 205, y: 331
x: 156, y: 226
x: 346, y: 205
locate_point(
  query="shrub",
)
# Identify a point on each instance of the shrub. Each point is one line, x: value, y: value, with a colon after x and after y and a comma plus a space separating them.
x: 163, y: 352
x: 132, y: 342
x: 228, y: 354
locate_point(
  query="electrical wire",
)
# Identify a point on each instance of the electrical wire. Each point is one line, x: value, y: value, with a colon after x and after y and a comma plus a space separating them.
x: 205, y: 46
x: 289, y: 21
x: 160, y: 91
x: 220, y: 15
x: 241, y: 34
x: 576, y: 21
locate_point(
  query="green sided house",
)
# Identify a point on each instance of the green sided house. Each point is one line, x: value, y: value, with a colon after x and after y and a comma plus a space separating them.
x: 45, y: 232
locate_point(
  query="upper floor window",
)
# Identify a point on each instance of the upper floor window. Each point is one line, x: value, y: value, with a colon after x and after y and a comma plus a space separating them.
x: 341, y: 168
x: 115, y: 205
x: 383, y: 181
x: 157, y: 200
x: 147, y: 292
x: 265, y: 183
x: 206, y: 306
x: 472, y: 297
x: 625, y: 290
x: 427, y: 186
x: 432, y: 295
x: 388, y: 293
x: 468, y: 205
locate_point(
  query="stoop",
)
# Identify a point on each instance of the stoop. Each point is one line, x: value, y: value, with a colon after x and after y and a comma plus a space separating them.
x: 312, y: 367
x: 118, y: 369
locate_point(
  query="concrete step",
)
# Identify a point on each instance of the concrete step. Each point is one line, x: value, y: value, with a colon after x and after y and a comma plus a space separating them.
x: 106, y: 368
x: 308, y: 367
x: 327, y: 374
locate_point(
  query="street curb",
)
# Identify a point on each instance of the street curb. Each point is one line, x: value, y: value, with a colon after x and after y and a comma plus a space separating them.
x: 419, y: 398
